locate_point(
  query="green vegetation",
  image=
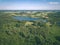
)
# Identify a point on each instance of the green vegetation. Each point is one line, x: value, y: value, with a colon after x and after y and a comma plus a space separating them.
x: 14, y: 32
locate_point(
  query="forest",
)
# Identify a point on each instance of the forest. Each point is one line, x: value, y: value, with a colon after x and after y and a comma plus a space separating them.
x: 30, y: 32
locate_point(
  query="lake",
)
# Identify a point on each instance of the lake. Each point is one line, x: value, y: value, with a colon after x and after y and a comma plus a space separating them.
x: 22, y: 18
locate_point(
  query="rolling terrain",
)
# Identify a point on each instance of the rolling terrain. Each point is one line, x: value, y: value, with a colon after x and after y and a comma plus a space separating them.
x: 30, y: 32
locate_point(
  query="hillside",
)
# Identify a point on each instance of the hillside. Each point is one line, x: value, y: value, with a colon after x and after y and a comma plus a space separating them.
x: 15, y: 32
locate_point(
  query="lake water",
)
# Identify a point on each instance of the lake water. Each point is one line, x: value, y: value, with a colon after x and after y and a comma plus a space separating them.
x: 22, y: 18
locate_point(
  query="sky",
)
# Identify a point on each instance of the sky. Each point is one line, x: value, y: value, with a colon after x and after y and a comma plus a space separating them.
x: 29, y: 4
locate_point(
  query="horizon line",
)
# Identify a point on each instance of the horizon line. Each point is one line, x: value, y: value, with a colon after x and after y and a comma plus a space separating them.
x: 46, y: 9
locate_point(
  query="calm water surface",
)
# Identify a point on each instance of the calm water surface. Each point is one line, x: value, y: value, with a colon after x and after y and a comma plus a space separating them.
x: 22, y: 18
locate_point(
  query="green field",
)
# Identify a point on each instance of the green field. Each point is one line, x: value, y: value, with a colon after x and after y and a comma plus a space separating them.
x: 16, y: 32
